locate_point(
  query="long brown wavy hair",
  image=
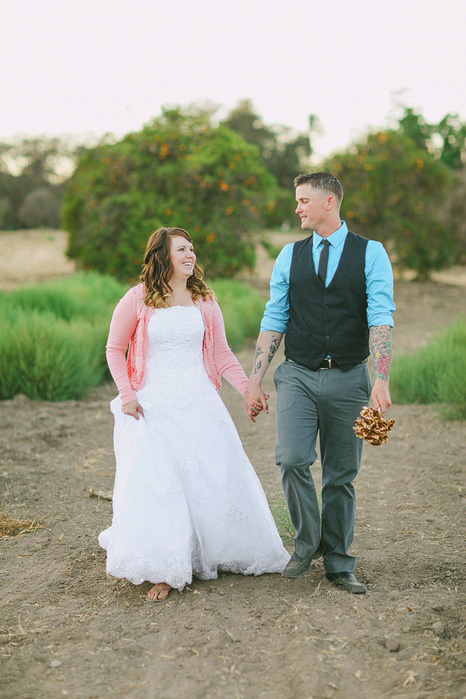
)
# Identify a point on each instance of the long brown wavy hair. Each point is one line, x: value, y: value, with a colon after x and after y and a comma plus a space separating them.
x: 157, y: 270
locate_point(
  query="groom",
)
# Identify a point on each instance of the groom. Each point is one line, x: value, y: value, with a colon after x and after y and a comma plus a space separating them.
x: 331, y: 295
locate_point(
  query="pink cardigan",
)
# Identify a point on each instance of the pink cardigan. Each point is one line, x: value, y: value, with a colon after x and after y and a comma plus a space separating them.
x: 129, y: 326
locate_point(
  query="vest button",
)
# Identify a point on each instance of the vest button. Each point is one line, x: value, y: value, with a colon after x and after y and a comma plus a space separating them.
x: 327, y: 337
x: 326, y: 308
x: 326, y: 293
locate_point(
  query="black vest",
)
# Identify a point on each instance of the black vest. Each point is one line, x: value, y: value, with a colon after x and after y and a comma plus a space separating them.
x: 328, y: 321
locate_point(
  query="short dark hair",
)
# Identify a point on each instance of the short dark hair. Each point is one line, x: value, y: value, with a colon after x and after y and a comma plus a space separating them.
x: 322, y: 180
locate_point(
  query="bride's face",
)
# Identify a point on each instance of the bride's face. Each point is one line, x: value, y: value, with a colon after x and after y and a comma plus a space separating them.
x: 182, y: 256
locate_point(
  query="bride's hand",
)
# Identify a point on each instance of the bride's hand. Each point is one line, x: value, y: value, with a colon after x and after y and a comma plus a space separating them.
x: 132, y: 408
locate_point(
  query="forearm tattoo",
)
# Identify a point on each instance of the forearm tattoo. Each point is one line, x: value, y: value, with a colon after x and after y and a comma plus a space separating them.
x: 257, y: 361
x: 274, y: 342
x: 381, y: 349
x: 273, y: 346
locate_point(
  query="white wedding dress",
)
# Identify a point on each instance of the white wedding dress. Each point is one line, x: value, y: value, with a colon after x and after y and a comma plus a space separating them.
x: 186, y: 499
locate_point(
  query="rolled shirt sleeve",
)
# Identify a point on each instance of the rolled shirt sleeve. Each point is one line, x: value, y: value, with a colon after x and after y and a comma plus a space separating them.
x: 379, y: 285
x: 277, y: 309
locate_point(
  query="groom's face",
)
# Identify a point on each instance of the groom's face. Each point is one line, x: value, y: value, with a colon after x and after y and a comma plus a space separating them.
x: 312, y: 206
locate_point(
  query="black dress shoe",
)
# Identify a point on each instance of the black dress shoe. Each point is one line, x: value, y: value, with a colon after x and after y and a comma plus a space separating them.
x: 298, y: 565
x: 346, y: 581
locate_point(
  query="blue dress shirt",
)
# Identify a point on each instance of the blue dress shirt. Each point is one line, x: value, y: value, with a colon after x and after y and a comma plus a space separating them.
x: 379, y: 281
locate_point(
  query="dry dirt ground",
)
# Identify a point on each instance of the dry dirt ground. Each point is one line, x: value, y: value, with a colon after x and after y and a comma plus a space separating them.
x: 68, y: 631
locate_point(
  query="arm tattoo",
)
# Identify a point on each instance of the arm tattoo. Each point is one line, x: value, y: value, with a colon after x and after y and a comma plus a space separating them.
x: 257, y: 364
x: 381, y: 349
x: 274, y: 342
x: 273, y: 346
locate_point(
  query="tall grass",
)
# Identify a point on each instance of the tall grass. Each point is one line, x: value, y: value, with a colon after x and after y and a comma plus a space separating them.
x: 89, y: 296
x: 242, y: 310
x: 47, y: 358
x: 52, y: 336
x: 435, y: 374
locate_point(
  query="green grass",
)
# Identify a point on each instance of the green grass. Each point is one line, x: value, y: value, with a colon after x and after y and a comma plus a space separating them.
x: 53, y: 335
x: 435, y: 374
x: 47, y: 358
x: 282, y: 519
x: 89, y: 296
x: 242, y: 310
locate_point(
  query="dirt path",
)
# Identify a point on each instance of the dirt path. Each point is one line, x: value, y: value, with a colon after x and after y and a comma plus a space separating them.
x: 67, y: 631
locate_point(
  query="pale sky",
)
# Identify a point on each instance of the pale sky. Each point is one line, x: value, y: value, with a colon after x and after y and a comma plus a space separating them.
x: 96, y: 66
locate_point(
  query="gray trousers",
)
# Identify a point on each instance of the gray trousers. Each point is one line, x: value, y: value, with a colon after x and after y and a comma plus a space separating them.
x: 326, y: 401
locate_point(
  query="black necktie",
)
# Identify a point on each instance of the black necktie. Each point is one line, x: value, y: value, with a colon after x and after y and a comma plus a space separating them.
x: 323, y: 262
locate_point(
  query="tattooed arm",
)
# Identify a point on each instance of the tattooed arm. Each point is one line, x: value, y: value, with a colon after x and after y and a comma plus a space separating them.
x: 267, y: 344
x: 380, y: 340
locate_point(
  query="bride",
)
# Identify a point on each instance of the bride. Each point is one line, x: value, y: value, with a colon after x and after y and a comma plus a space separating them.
x: 186, y: 499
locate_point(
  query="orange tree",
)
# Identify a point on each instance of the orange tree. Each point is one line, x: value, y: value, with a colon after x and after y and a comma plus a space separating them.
x: 179, y: 170
x: 394, y: 191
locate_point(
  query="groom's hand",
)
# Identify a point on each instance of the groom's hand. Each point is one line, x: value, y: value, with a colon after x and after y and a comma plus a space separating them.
x: 255, y: 400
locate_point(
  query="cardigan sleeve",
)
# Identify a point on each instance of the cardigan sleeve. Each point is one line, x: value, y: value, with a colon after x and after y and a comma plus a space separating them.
x: 225, y: 361
x: 122, y: 327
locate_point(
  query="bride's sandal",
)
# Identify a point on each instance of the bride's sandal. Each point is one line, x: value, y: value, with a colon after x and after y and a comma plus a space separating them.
x: 159, y: 589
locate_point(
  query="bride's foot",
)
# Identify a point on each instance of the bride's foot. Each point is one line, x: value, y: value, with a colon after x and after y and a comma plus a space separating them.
x: 159, y: 592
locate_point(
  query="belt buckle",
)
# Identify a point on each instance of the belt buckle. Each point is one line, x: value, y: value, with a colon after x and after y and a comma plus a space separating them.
x: 329, y: 363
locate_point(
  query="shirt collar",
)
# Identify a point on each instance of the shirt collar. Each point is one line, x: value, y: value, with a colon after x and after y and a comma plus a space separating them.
x: 335, y: 239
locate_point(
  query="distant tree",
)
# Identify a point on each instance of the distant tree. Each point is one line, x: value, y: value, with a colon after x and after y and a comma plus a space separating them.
x: 284, y: 153
x: 282, y: 149
x: 179, y: 170
x: 41, y: 207
x: 394, y: 190
x: 26, y: 166
x: 445, y: 140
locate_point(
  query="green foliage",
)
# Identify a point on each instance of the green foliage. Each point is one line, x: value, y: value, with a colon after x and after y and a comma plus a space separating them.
x: 46, y: 358
x: 280, y: 209
x: 435, y: 373
x: 242, y: 310
x: 87, y: 296
x: 179, y: 170
x: 52, y: 336
x: 393, y: 190
x: 445, y: 140
x: 283, y: 151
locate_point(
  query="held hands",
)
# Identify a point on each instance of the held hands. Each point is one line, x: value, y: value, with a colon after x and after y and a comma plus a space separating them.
x: 132, y: 408
x: 380, y: 396
x: 255, y: 400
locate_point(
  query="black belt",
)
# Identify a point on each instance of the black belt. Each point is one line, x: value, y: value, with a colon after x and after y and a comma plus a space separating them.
x: 325, y: 364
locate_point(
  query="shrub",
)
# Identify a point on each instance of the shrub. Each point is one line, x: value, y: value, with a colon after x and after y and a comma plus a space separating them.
x: 393, y: 192
x: 47, y: 358
x: 52, y: 337
x: 435, y: 373
x: 242, y: 310
x: 179, y: 170
x: 89, y: 296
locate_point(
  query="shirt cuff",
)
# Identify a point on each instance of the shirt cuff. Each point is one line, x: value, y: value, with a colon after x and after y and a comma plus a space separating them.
x: 380, y: 319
